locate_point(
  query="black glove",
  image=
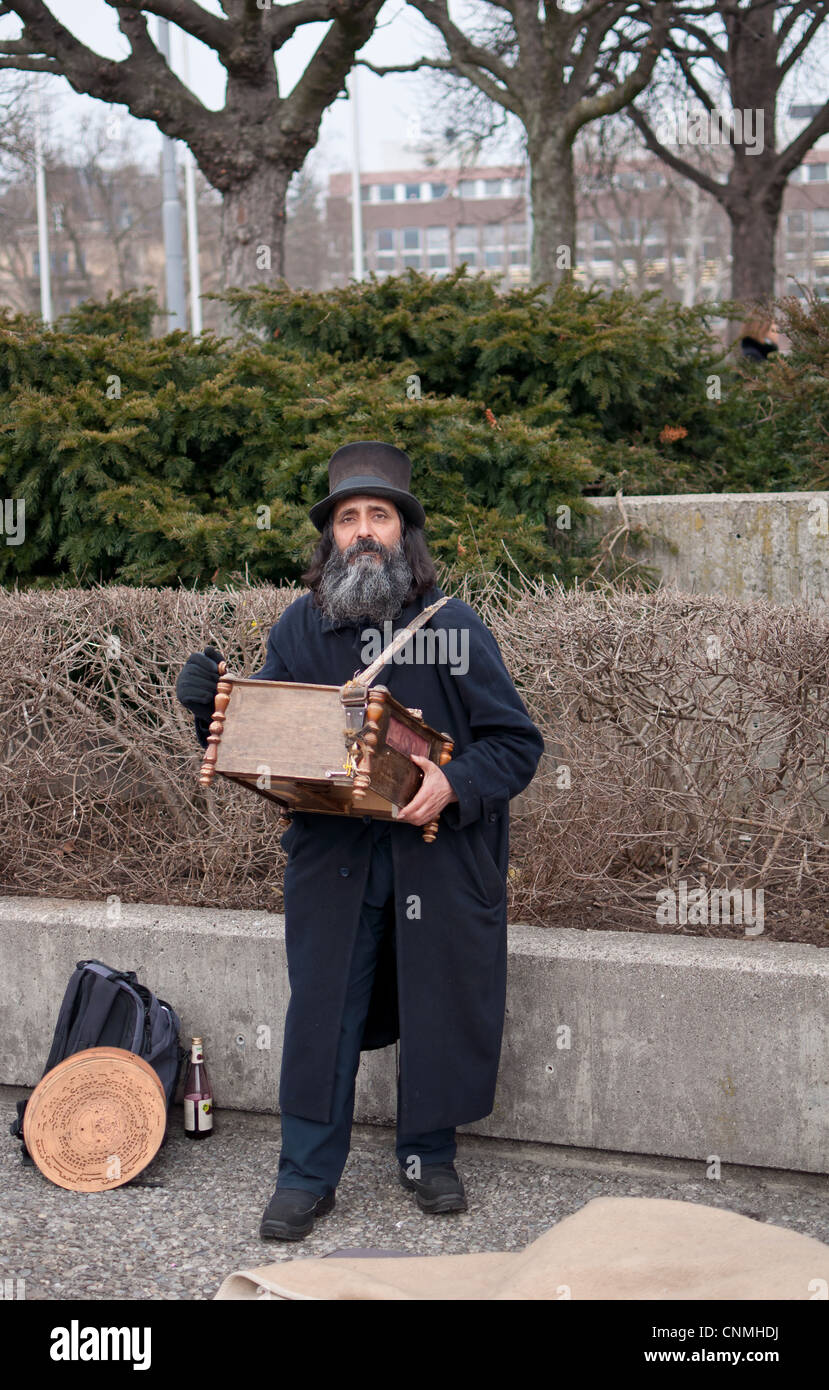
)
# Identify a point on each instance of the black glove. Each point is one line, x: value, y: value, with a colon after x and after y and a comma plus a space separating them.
x: 196, y: 685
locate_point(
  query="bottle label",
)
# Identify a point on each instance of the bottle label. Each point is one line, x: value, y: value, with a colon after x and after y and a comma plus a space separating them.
x: 198, y: 1120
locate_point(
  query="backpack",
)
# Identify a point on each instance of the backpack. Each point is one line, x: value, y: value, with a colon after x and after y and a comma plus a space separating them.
x: 103, y: 1007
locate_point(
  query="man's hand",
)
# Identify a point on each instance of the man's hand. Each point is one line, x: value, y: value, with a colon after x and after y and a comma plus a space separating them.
x: 196, y: 685
x: 434, y: 792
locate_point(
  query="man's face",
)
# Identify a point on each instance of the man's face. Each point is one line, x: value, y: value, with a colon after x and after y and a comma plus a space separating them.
x: 367, y: 572
x: 365, y: 518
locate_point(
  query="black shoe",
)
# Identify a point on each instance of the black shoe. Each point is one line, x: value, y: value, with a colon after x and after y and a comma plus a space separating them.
x: 291, y: 1212
x: 438, y: 1188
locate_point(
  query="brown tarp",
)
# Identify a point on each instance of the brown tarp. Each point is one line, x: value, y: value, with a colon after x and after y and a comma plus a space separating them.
x: 612, y: 1248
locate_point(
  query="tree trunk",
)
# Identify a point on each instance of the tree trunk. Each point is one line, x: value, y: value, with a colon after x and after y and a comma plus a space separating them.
x: 253, y: 227
x: 553, y: 255
x: 753, y: 228
x: 755, y: 192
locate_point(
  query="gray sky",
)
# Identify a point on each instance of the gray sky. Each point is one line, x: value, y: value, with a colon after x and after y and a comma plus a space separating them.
x: 389, y: 107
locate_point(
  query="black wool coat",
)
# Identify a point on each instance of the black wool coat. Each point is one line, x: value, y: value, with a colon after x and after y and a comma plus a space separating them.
x: 440, y: 984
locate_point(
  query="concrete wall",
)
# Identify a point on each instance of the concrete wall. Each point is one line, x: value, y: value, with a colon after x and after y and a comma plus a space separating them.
x: 769, y: 545
x: 687, y: 1047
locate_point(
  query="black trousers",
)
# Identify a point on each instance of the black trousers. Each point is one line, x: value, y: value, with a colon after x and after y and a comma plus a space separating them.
x: 313, y: 1154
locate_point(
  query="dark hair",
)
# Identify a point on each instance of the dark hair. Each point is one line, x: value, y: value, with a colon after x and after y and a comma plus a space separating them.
x: 424, y: 574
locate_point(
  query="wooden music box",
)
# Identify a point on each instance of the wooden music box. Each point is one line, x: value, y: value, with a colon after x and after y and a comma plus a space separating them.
x: 338, y: 750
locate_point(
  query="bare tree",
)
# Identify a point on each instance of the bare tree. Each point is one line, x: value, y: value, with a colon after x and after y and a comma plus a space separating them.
x: 743, y: 50
x: 251, y: 147
x: 556, y: 70
x: 654, y: 220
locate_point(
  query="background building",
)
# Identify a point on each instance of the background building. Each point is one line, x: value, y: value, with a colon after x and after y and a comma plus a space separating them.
x: 639, y: 225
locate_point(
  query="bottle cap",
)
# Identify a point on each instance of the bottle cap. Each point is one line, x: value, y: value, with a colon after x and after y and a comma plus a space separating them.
x: 197, y: 1040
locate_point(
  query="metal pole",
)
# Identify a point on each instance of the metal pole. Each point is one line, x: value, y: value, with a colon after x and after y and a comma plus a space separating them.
x: 171, y: 214
x: 42, y: 215
x: 528, y: 201
x: 192, y: 210
x: 356, y: 193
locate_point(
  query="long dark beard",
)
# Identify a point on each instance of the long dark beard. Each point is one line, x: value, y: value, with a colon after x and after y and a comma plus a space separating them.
x: 365, y: 588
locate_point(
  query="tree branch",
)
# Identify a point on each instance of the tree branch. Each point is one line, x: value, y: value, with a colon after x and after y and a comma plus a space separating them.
x: 211, y: 29
x: 688, y: 171
x: 788, y: 21
x: 462, y: 49
x: 282, y: 21
x: 605, y: 104
x: 792, y: 155
x: 327, y: 70
x: 717, y: 54
x: 801, y: 45
x: 682, y: 60
x: 444, y: 63
x: 584, y: 62
x: 142, y: 82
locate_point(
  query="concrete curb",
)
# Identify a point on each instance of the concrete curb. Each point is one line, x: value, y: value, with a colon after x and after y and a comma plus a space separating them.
x: 641, y: 1043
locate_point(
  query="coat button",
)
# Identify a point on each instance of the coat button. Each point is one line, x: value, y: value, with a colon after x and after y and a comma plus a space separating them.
x: 345, y: 872
x: 493, y: 815
x: 366, y: 820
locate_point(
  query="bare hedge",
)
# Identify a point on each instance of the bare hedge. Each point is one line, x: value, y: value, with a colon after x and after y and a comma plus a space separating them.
x: 686, y: 741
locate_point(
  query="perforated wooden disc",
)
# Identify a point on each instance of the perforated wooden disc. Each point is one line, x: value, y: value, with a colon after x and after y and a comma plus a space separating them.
x: 96, y: 1119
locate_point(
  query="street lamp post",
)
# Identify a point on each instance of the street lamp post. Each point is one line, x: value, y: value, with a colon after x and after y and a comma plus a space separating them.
x: 356, y: 192
x: 42, y: 224
x: 171, y: 214
x: 192, y: 210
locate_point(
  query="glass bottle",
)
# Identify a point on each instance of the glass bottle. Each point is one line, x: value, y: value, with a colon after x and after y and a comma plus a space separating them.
x: 198, y: 1096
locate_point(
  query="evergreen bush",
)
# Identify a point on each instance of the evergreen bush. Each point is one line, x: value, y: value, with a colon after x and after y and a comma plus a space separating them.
x: 173, y: 460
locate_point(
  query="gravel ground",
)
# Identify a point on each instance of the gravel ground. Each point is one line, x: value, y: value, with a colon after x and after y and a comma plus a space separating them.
x: 193, y: 1215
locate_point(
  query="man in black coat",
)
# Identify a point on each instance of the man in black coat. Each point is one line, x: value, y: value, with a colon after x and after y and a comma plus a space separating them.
x: 388, y: 937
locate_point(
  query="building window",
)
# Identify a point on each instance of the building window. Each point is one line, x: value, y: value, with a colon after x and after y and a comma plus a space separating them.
x: 517, y: 243
x: 412, y: 257
x: 386, y: 192
x: 466, y: 246
x: 412, y: 191
x: 494, y: 245
x: 795, y: 234
x: 58, y: 261
x: 365, y: 193
x: 601, y: 234
x: 817, y: 172
x: 384, y: 246
x: 438, y: 190
x: 493, y: 188
x: 629, y: 228
x: 820, y: 226
x: 437, y: 244
x: 468, y: 188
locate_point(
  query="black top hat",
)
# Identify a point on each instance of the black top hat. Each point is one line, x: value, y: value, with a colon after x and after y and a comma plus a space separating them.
x: 380, y: 470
